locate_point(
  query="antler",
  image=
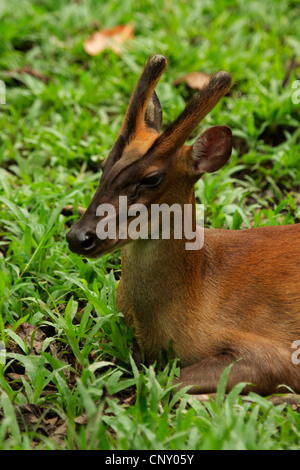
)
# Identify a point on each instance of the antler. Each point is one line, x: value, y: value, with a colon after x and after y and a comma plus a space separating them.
x: 200, y: 105
x: 135, y: 115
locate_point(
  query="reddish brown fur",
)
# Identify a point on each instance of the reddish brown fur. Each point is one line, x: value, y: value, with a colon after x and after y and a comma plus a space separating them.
x: 237, y: 299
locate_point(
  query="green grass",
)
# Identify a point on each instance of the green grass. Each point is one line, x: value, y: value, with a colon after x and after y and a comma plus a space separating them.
x: 69, y: 364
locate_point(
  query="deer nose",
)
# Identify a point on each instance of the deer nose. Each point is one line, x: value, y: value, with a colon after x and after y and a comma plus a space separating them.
x: 81, y: 242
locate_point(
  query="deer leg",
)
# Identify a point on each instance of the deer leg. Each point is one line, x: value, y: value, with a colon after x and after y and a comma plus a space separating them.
x: 263, y: 374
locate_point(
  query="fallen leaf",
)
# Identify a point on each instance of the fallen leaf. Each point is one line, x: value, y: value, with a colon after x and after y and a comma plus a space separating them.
x: 195, y: 80
x: 81, y: 420
x: 58, y: 436
x: 30, y: 417
x: 69, y: 209
x: 112, y: 38
x: 25, y: 331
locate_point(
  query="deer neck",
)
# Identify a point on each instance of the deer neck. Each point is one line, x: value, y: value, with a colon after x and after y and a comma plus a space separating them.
x: 158, y: 273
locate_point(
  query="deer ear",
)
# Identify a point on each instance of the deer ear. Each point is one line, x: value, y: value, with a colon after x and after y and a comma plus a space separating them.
x: 153, y: 114
x: 211, y: 150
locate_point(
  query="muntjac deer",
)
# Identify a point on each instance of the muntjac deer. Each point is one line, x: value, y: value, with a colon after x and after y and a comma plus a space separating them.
x: 235, y: 300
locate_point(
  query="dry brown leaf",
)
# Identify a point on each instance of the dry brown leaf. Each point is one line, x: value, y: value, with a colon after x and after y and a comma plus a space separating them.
x: 30, y: 417
x: 60, y: 434
x: 68, y: 210
x: 112, y: 38
x: 25, y: 331
x: 81, y: 420
x: 195, y: 80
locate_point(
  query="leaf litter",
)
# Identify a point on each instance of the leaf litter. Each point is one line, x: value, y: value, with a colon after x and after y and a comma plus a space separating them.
x: 112, y: 38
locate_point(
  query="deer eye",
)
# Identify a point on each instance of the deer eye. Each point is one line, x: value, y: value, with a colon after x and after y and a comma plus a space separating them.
x: 152, y: 181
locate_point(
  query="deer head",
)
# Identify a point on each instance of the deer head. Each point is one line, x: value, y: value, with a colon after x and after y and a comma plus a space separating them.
x: 150, y: 167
